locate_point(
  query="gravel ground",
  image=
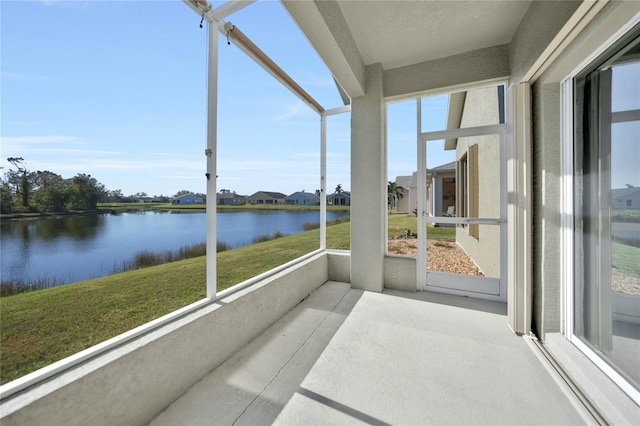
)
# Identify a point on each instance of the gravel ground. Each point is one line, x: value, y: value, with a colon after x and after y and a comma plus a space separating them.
x: 442, y: 256
x: 624, y: 283
x: 449, y: 257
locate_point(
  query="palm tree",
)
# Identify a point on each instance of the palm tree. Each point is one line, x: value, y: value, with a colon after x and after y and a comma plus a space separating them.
x: 339, y: 188
x: 394, y: 193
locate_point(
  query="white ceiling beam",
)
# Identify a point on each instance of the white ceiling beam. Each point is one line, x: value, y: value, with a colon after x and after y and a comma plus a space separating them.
x: 482, y: 65
x: 323, y: 23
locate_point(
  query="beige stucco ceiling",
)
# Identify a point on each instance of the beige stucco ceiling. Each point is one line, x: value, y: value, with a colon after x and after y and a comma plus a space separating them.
x: 399, y: 33
x: 351, y: 34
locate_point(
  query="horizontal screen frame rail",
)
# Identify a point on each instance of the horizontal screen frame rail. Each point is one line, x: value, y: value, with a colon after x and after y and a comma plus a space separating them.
x: 464, y: 220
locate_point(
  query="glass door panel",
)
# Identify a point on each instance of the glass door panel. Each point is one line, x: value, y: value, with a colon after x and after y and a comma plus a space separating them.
x: 606, y: 302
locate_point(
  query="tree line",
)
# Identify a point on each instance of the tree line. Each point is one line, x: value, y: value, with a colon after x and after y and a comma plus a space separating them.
x: 22, y: 190
x: 25, y: 191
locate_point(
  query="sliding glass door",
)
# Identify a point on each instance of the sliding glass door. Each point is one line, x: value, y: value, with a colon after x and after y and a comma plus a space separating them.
x: 606, y: 284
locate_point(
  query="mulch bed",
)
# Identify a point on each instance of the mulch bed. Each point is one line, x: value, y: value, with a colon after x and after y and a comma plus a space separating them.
x: 442, y: 256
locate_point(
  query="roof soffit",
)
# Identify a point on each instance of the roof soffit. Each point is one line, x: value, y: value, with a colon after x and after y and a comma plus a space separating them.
x: 398, y: 33
x: 324, y: 25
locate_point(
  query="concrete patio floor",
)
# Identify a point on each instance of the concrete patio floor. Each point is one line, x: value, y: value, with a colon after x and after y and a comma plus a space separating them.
x: 346, y: 356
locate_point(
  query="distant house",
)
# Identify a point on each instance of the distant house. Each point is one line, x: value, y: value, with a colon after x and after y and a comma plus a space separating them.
x: 441, y: 189
x: 404, y: 185
x: 228, y: 198
x: 303, y: 198
x: 625, y: 198
x: 267, y: 197
x: 440, y: 198
x: 188, y: 199
x: 339, y: 199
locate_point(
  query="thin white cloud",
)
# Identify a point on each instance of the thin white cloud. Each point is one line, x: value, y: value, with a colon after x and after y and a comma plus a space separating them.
x: 69, y: 152
x: 27, y: 140
x: 320, y: 81
x: 292, y: 111
x: 316, y: 155
x: 307, y: 154
x: 93, y: 164
x: 183, y: 177
x: 246, y: 165
x: 22, y: 76
x: 76, y: 4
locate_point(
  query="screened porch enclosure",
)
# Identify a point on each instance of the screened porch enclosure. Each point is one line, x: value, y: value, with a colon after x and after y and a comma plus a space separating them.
x: 362, y: 335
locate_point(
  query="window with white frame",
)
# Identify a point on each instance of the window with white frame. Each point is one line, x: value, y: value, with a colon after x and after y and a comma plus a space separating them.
x: 606, y: 243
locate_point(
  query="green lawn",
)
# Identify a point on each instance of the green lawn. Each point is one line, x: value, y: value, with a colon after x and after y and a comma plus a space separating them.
x: 399, y: 221
x: 626, y: 258
x: 44, y: 326
x: 40, y: 327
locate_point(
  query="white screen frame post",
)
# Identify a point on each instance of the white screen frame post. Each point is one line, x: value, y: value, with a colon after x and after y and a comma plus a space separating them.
x: 421, y: 260
x: 211, y: 153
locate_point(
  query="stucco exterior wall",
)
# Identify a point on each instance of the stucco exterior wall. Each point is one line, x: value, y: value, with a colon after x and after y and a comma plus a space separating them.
x: 402, y: 205
x: 400, y: 273
x: 339, y: 263
x: 547, y: 157
x: 546, y: 188
x: 481, y: 108
x: 538, y: 27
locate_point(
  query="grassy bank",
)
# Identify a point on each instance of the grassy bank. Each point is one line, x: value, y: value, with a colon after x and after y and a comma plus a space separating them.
x: 398, y: 222
x: 41, y: 327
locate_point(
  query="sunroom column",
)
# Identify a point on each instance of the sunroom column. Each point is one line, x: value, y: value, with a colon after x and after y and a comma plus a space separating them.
x: 368, y: 188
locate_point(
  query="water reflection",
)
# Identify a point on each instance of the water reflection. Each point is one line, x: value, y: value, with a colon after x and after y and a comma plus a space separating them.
x: 77, y: 228
x: 69, y: 249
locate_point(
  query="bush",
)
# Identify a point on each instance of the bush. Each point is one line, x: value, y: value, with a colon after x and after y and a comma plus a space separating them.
x: 146, y: 258
x: 11, y: 287
x: 267, y: 237
x: 308, y: 226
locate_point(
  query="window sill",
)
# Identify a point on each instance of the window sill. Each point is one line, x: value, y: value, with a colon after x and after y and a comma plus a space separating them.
x: 605, y: 396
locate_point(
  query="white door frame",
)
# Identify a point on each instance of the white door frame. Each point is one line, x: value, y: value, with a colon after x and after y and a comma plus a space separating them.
x: 479, y: 287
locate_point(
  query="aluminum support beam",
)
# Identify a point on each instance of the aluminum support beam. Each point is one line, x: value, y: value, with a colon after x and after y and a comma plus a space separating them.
x: 210, y: 152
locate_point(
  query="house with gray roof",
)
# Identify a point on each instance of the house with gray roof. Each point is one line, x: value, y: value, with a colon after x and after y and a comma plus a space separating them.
x: 339, y: 199
x: 188, y: 199
x: 267, y: 197
x: 625, y: 198
x: 302, y: 198
x: 230, y: 198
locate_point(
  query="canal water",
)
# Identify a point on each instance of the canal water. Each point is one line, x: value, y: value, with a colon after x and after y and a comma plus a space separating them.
x: 74, y: 248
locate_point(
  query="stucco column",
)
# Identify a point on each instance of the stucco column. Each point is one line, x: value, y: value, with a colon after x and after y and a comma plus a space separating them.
x: 368, y: 189
x: 546, y: 182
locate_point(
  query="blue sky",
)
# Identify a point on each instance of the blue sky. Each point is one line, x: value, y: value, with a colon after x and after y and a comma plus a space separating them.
x: 117, y: 89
